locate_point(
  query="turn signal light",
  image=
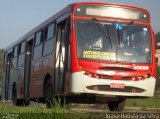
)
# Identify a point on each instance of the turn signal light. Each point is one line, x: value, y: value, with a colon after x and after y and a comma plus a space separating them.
x: 87, y: 73
x: 146, y: 76
x: 94, y: 75
x: 139, y: 78
x: 133, y: 78
x: 91, y: 74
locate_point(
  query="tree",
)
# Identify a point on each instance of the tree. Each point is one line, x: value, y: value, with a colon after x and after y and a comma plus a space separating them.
x: 157, y: 39
x: 1, y: 62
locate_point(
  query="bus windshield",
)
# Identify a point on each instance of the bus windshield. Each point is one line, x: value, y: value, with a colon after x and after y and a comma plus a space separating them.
x: 124, y: 42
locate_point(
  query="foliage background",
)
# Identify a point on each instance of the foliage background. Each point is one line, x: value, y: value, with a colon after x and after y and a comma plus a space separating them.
x: 1, y: 62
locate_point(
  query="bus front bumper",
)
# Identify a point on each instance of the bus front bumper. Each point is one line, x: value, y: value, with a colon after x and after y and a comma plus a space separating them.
x: 80, y: 83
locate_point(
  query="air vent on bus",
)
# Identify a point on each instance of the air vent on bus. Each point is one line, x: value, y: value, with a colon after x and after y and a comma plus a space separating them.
x: 116, y: 68
x: 127, y: 89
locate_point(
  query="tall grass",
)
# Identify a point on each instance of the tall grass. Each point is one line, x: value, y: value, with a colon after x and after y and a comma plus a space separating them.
x: 7, y: 110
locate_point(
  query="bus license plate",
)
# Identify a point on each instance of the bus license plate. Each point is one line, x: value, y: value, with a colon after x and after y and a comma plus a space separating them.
x: 117, y: 85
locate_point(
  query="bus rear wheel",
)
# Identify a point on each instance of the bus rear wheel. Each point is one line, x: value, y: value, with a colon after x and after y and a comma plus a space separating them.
x: 25, y: 102
x: 116, y: 105
x: 48, y: 95
x: 18, y: 102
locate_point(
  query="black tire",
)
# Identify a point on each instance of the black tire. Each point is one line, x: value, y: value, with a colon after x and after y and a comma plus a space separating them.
x: 61, y: 101
x: 116, y: 105
x: 25, y: 102
x: 48, y: 95
x: 18, y: 102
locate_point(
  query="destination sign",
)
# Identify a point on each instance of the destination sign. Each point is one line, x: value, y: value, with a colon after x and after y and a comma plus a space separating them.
x: 112, y: 12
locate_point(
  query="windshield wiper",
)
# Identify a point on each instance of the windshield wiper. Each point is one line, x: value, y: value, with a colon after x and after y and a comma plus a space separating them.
x: 103, y: 31
x: 131, y: 23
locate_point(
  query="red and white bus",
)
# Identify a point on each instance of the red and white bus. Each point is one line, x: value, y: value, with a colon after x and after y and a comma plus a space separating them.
x: 89, y: 52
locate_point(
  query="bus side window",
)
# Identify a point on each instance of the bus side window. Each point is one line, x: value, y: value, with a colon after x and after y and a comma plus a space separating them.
x: 15, y: 51
x: 49, y: 40
x: 23, y: 46
x: 38, y: 45
x: 50, y: 31
x: 15, y: 54
x: 21, y: 52
x: 39, y: 38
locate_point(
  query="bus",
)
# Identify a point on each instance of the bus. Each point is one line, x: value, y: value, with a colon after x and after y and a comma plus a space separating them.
x: 89, y: 52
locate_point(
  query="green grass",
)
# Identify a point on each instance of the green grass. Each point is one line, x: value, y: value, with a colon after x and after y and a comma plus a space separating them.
x: 145, y: 103
x: 7, y: 110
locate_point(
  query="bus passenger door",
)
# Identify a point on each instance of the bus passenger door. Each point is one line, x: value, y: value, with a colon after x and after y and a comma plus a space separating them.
x: 61, y: 57
x: 27, y: 67
x: 7, y: 79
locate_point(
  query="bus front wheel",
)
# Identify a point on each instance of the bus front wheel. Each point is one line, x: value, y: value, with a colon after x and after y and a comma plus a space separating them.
x: 116, y: 105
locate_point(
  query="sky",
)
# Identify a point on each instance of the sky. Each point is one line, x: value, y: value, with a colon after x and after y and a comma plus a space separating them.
x: 17, y: 17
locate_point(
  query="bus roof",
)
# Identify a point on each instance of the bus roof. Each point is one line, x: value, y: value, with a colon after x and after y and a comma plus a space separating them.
x: 68, y: 9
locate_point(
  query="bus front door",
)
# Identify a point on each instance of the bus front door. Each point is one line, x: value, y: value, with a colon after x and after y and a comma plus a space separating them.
x: 8, y: 71
x: 61, y: 58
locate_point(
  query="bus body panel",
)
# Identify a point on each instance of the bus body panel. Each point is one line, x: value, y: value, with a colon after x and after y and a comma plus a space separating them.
x: 40, y: 68
x: 79, y: 83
